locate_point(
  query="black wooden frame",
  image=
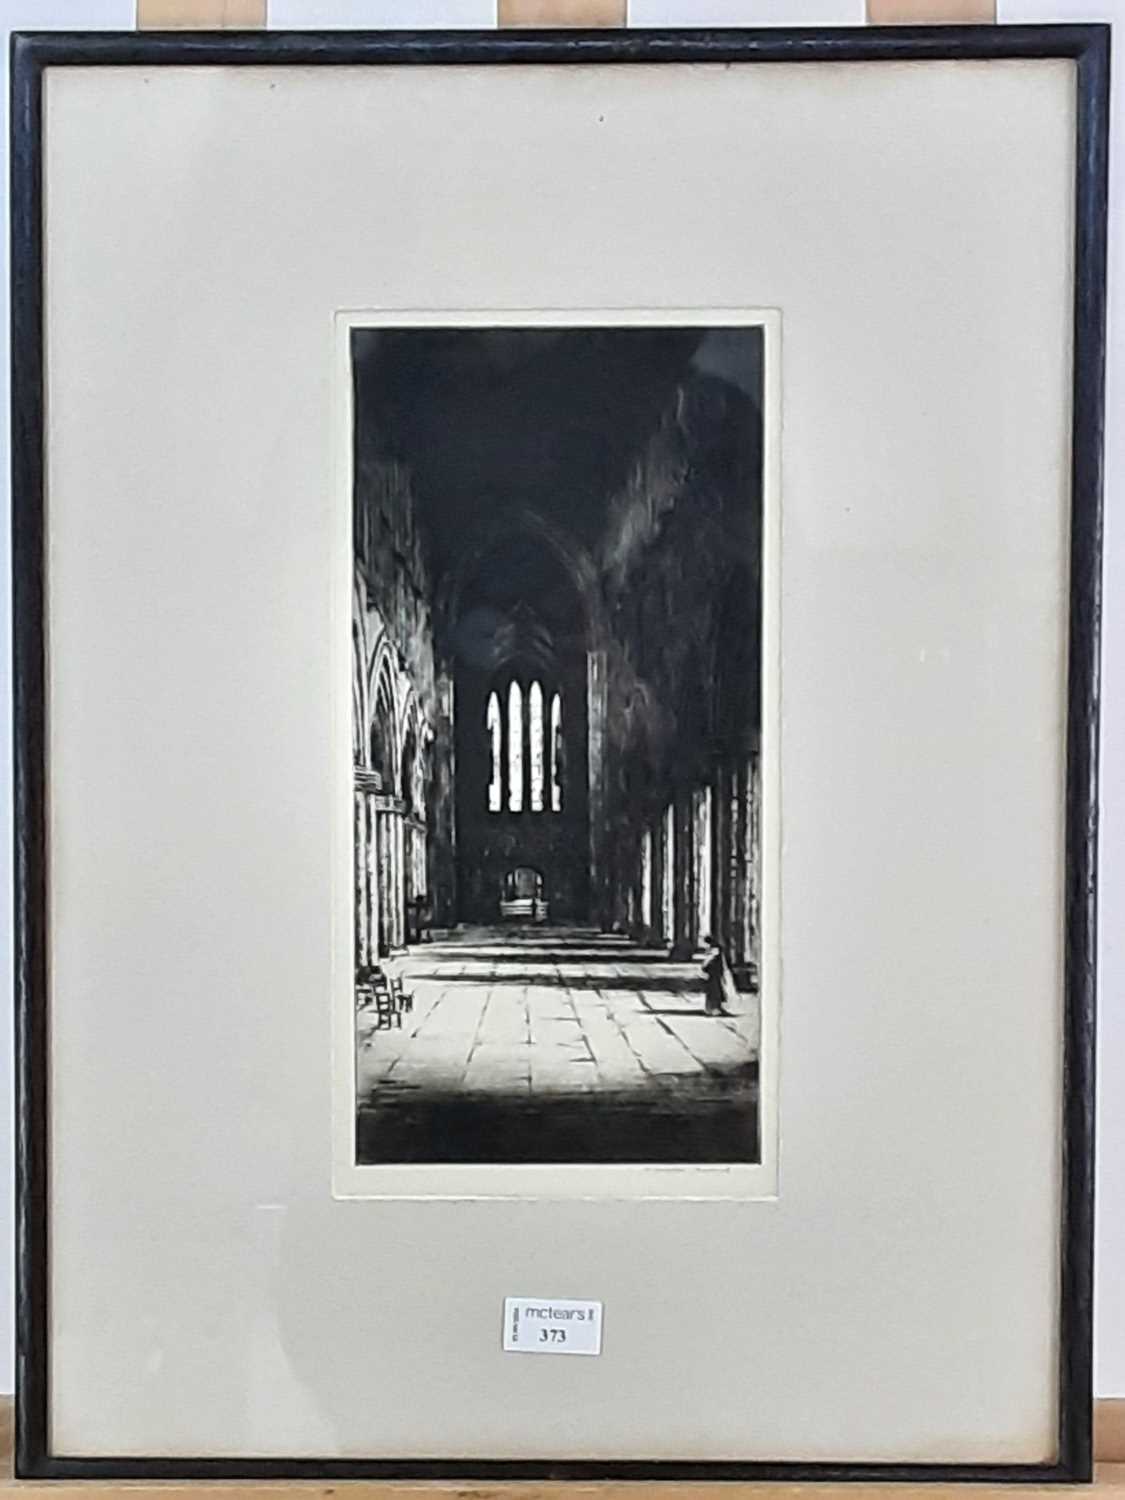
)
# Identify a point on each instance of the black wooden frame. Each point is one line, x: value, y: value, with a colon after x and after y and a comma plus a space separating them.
x: 1088, y: 47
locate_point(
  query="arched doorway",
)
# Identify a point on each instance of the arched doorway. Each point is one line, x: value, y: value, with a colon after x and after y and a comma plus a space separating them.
x: 522, y: 895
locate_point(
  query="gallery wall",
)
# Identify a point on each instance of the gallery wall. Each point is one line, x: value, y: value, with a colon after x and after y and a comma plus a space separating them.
x: 113, y: 14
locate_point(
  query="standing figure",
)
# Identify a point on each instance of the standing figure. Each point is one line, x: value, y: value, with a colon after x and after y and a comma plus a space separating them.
x: 719, y: 979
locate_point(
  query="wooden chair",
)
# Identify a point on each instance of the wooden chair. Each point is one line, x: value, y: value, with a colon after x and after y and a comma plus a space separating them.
x: 403, y: 1000
x: 374, y: 989
x: 386, y: 1011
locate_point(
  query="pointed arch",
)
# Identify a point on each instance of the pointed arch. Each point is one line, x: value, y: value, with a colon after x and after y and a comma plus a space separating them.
x: 423, y: 768
x: 409, y: 721
x: 413, y: 743
x: 495, y: 738
x: 382, y: 735
x: 575, y: 560
x: 536, y: 748
x: 556, y: 748
x: 359, y: 696
x: 515, y: 747
x: 361, y: 663
x: 407, y: 766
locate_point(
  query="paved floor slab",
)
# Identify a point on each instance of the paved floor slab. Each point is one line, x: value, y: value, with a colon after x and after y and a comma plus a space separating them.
x: 549, y: 1044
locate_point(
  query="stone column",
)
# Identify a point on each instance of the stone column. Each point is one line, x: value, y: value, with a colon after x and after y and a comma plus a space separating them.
x: 367, y: 903
x: 360, y: 850
x: 725, y: 860
x: 596, y: 710
x: 703, y: 834
x: 656, y: 923
x: 749, y: 836
x: 684, y: 878
x: 388, y: 894
x: 441, y: 845
x: 719, y: 857
x: 754, y: 781
x: 646, y: 885
x: 382, y: 881
x: 743, y: 863
x: 372, y: 876
x: 734, y: 865
x: 398, y: 887
x: 668, y: 875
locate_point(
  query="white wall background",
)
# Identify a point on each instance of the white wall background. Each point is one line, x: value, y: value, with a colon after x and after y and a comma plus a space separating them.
x: 114, y: 14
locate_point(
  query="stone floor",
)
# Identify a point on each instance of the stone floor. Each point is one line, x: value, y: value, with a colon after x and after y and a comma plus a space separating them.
x: 547, y: 1044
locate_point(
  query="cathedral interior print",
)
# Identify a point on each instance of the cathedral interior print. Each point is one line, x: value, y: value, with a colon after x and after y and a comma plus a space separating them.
x: 556, y: 741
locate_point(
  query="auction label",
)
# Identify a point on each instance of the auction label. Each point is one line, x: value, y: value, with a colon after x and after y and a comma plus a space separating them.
x: 552, y: 1325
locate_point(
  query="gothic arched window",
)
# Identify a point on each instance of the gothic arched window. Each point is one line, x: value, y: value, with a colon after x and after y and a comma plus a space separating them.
x: 495, y: 740
x: 556, y: 754
x: 524, y: 744
x: 515, y: 748
x: 535, y: 741
x: 382, y: 737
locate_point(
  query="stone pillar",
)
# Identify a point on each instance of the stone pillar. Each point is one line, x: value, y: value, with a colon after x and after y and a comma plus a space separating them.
x: 368, y: 942
x: 703, y: 841
x: 360, y: 836
x: 734, y: 863
x: 389, y: 872
x: 388, y: 894
x: 441, y: 845
x: 596, y: 710
x: 655, y: 883
x: 668, y: 875
x: 683, y: 941
x: 646, y: 884
x: 743, y: 828
x: 749, y: 835
x: 371, y: 877
x: 656, y: 842
x: 387, y: 878
x: 754, y: 951
x: 738, y: 867
x: 719, y: 834
x: 635, y: 924
x: 398, y: 883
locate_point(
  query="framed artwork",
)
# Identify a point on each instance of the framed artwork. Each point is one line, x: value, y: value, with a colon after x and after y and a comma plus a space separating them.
x: 556, y: 589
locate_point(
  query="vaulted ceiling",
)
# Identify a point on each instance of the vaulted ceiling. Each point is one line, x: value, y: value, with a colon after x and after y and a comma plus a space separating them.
x: 497, y: 421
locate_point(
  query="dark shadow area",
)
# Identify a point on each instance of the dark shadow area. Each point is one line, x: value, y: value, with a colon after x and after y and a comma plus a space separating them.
x: 675, y: 985
x: 714, y: 1121
x: 669, y: 1010
x: 578, y: 957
